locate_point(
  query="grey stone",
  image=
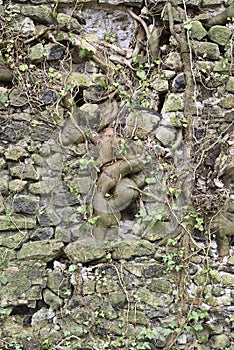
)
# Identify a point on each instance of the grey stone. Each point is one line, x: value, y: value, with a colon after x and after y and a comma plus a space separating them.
x: 141, y: 122
x: 206, y: 50
x: 15, y: 153
x: 49, y: 96
x: 230, y: 85
x: 165, y: 135
x: 214, y: 328
x: 179, y: 82
x: 48, y: 217
x: 46, y: 186
x: 173, y: 103
x: 2, y: 205
x: 25, y: 283
x: 4, y: 180
x: 18, y: 97
x: 58, y: 284
x: 40, y: 13
x: 24, y: 172
x: 68, y: 23
x: 44, y: 250
x: 17, y: 185
x: 41, y: 315
x: 220, y: 34
x: 14, y: 240
x: 102, y: 286
x: 153, y: 299
x: 83, y: 81
x: 128, y: 249
x: 37, y: 53
x: 160, y: 84
x: 26, y: 204
x: 173, y: 61
x: 211, y: 3
x: 52, y: 299
x: 16, y: 222
x: 42, y: 233
x: 220, y: 341
x: 228, y: 279
x: 54, y: 51
x: 85, y: 250
x: 6, y: 75
x: 160, y: 285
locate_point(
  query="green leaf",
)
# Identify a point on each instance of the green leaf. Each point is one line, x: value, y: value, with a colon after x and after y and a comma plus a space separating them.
x: 141, y: 74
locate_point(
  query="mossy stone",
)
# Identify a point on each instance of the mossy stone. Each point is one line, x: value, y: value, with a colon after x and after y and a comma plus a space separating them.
x: 197, y: 31
x: 44, y: 250
x: 16, y: 222
x: 220, y: 34
x: 228, y: 279
x: 230, y: 85
x: 220, y: 341
x: 206, y: 50
x: 152, y: 299
x: 37, y: 53
x: 85, y: 250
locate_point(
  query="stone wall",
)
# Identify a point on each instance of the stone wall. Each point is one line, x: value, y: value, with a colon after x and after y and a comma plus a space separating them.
x: 100, y: 180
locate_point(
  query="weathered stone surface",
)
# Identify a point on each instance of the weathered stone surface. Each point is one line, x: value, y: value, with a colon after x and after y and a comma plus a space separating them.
x: 160, y: 84
x: 68, y: 23
x: 231, y: 260
x: 214, y: 328
x: 52, y: 299
x: 160, y: 285
x: 206, y: 50
x: 14, y: 240
x: 165, y: 135
x: 16, y: 222
x: 106, y: 286
x: 173, y: 103
x: 41, y: 315
x: 230, y: 85
x: 24, y: 172
x: 4, y: 179
x: 141, y: 123
x: 197, y: 31
x: 17, y: 185
x: 25, y: 282
x: 220, y: 341
x: 228, y: 280
x: 153, y: 299
x: 37, y: 53
x: 18, y: 97
x: 227, y: 101
x: 54, y: 52
x: 44, y: 250
x: 42, y: 233
x: 49, y: 217
x: 85, y: 250
x: 44, y: 187
x: 2, y: 205
x: 173, y: 61
x: 15, y: 153
x: 57, y: 283
x: 26, y: 204
x: 179, y: 83
x: 40, y: 13
x: 220, y: 34
x: 128, y: 249
x: 211, y: 3
x: 5, y: 75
